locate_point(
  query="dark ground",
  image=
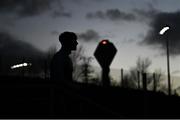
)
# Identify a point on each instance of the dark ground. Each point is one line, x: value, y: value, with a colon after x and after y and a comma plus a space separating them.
x: 36, y: 98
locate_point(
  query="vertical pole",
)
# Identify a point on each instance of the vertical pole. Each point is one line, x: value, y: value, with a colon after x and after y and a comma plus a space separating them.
x: 168, y: 67
x: 122, y: 80
x: 144, y: 81
x: 138, y: 78
x: 144, y: 77
x: 154, y: 79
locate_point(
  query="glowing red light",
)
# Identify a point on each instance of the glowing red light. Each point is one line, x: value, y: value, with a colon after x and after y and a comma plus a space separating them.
x: 104, y: 42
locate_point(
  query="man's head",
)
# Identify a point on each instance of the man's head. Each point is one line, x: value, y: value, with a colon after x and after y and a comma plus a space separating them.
x: 68, y: 40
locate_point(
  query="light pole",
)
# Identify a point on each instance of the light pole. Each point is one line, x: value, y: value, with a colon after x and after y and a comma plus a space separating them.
x: 168, y: 65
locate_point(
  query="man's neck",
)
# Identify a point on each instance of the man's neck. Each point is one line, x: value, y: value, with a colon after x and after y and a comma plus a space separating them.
x: 65, y: 50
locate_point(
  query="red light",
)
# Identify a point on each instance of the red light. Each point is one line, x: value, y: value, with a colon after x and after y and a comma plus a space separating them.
x: 104, y: 42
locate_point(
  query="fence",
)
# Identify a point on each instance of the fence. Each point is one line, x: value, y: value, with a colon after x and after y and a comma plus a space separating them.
x: 146, y: 81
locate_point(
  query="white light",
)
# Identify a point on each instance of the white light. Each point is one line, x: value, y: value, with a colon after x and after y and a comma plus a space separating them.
x: 12, y: 67
x: 163, y: 30
x: 21, y: 65
x: 25, y: 64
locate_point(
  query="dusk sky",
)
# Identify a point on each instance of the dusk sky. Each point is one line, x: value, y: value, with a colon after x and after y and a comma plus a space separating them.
x: 132, y: 25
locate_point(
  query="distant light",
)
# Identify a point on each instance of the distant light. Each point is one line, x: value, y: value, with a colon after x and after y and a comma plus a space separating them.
x: 21, y: 65
x: 163, y: 30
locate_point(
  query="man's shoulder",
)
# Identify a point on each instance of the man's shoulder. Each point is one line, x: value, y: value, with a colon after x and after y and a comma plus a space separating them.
x: 60, y: 56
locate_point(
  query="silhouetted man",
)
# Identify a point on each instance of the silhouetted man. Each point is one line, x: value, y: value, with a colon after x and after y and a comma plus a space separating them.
x: 61, y: 65
x: 61, y: 73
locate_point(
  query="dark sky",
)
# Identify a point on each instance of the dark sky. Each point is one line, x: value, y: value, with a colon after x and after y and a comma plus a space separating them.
x: 132, y: 25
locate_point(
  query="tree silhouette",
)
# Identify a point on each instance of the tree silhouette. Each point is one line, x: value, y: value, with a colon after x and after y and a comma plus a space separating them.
x: 45, y: 62
x: 77, y: 60
x: 142, y: 64
x: 51, y: 51
x: 82, y: 70
x: 86, y: 69
x: 157, y: 78
x: 133, y: 79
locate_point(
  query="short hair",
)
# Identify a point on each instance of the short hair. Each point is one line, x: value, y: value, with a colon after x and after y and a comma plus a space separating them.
x: 66, y: 37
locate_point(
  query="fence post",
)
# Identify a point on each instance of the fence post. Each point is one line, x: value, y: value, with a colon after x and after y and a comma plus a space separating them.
x: 155, y: 85
x: 138, y: 78
x: 144, y: 81
x: 122, y: 77
x: 144, y: 77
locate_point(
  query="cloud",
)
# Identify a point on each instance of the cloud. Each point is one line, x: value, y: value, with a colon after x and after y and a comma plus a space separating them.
x: 10, y: 46
x: 165, y: 19
x: 128, y: 41
x: 56, y: 14
x: 54, y: 32
x: 99, y: 0
x: 143, y: 15
x: 24, y: 8
x: 89, y: 35
x: 148, y: 13
x: 111, y: 14
x: 135, y: 15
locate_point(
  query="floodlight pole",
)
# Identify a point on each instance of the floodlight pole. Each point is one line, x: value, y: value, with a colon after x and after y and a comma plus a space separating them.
x: 168, y: 65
